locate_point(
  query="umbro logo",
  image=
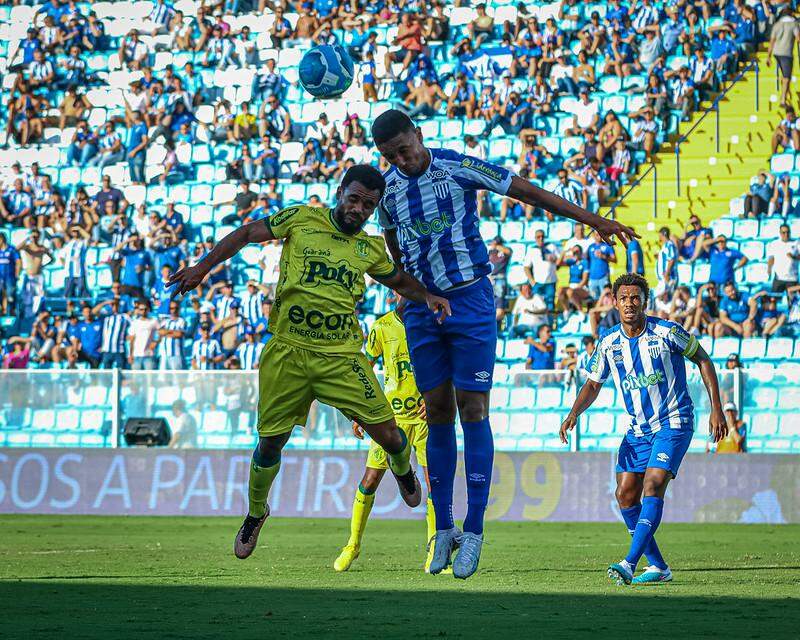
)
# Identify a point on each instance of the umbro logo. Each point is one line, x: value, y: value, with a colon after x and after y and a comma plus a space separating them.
x: 662, y: 457
x: 482, y: 376
x: 477, y: 477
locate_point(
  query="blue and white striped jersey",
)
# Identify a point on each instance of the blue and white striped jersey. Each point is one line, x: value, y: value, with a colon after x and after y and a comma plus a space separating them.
x: 435, y: 215
x: 668, y: 252
x: 173, y: 347
x: 251, y: 307
x: 73, y: 255
x: 249, y: 354
x: 205, y: 349
x: 650, y: 374
x: 115, y: 332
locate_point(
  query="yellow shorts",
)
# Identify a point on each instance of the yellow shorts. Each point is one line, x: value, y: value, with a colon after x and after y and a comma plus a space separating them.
x: 417, y: 434
x: 290, y: 379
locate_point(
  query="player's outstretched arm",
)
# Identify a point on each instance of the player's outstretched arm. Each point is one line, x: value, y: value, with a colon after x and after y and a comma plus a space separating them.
x: 529, y: 193
x: 190, y: 277
x: 586, y: 396
x: 409, y: 287
x: 717, y: 425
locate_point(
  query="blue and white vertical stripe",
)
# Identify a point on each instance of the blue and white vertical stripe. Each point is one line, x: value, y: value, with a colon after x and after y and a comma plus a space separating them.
x: 251, y: 307
x: 115, y: 331
x: 668, y: 252
x: 205, y: 349
x: 436, y: 217
x: 649, y: 373
x: 74, y: 256
x: 249, y: 354
x: 173, y: 347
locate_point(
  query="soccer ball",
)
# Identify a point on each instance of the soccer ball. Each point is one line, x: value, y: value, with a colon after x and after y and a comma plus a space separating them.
x: 326, y: 71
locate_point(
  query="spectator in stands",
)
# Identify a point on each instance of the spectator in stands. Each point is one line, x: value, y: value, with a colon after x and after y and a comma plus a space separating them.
x: 781, y: 201
x: 274, y: 119
x: 136, y: 263
x: 245, y: 202
x: 561, y: 75
x: 724, y: 260
x: 586, y: 114
x: 136, y: 148
x: 578, y: 238
x: 600, y: 254
x: 767, y: 318
x: 528, y: 313
x: 26, y: 116
x: 701, y: 70
x: 692, y: 246
x: 735, y: 441
x: 16, y: 205
x: 142, y: 338
x: 784, y: 36
x: 281, y: 28
x: 206, y: 352
x: 73, y: 258
x: 86, y: 337
x: 219, y: 50
x: 619, y: 57
x: 541, y: 352
x: 571, y: 189
x: 756, y: 203
x: 308, y: 165
x: 482, y: 26
x: 644, y: 131
x: 735, y: 318
x: 499, y: 258
x: 787, y: 133
x: 407, y: 45
x: 463, y: 100
x: 681, y: 92
x: 620, y: 163
x: 667, y: 263
x: 133, y: 53
x: 111, y: 149
x: 611, y: 131
x: 172, y: 331
x: 244, y: 125
x: 10, y: 270
x: 540, y: 268
x: 634, y: 257
x: 115, y: 334
x: 183, y: 427
x: 425, y: 100
x: 19, y: 355
x: 575, y: 294
x: 651, y: 48
x: 723, y: 51
x: 783, y: 257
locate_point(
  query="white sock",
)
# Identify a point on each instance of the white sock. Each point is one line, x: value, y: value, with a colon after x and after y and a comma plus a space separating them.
x: 627, y: 565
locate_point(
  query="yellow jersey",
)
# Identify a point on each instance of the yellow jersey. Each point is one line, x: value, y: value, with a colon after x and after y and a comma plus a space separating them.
x: 387, y: 338
x: 321, y: 280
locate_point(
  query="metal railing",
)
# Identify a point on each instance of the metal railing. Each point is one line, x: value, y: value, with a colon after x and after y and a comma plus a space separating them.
x: 611, y: 213
x: 753, y: 64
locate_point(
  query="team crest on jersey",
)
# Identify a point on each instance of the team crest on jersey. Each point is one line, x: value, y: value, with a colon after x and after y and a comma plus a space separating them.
x: 654, y: 347
x: 441, y: 189
x: 362, y: 248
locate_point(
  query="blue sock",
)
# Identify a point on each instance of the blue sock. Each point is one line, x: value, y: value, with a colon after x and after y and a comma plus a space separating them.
x: 651, y: 551
x: 441, y: 452
x: 478, y: 458
x: 649, y: 519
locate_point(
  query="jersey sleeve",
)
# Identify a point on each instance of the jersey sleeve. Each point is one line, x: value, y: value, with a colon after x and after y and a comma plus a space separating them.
x: 681, y: 341
x: 382, y: 266
x: 281, y: 223
x: 383, y: 216
x: 597, y: 367
x: 474, y: 173
x: 374, y: 347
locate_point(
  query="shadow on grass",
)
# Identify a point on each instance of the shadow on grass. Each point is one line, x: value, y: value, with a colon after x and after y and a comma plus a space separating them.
x: 68, y: 610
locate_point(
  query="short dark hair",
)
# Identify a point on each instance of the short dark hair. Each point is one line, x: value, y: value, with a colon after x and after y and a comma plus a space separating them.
x: 364, y: 174
x: 389, y: 124
x: 587, y: 340
x: 541, y: 328
x: 631, y: 280
x: 664, y: 231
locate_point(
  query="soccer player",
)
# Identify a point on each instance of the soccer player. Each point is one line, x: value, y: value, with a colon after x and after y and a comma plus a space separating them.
x: 646, y: 357
x: 316, y: 349
x: 430, y: 221
x: 387, y: 339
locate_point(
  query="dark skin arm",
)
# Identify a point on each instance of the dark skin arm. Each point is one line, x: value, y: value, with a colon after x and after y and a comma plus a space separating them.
x: 530, y: 194
x: 717, y: 425
x: 586, y: 397
x: 411, y: 288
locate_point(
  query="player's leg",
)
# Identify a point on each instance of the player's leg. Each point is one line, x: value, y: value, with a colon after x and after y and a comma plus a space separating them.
x: 418, y: 434
x: 362, y: 506
x: 283, y: 401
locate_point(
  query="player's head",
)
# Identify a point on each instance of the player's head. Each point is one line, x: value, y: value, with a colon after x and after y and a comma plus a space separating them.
x: 400, y: 142
x: 358, y: 194
x: 631, y: 292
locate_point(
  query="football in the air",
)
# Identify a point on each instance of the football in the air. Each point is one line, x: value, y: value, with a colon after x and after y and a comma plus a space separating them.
x: 326, y: 71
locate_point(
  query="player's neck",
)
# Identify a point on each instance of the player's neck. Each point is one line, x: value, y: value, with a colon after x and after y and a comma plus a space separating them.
x: 636, y: 328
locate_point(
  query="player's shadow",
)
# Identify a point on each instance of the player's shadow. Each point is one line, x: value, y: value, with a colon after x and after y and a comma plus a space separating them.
x: 68, y: 610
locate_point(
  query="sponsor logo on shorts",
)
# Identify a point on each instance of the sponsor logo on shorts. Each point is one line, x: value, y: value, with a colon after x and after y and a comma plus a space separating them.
x: 363, y: 378
x: 406, y: 405
x: 477, y: 477
x: 642, y: 381
x: 482, y: 376
x: 662, y: 457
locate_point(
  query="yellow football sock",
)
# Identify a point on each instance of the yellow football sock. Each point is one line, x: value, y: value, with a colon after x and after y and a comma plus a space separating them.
x: 362, y: 505
x: 258, y: 489
x: 400, y: 462
x: 430, y: 520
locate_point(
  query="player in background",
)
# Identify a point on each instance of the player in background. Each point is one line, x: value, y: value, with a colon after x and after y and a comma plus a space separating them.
x: 315, y: 352
x: 646, y: 357
x: 430, y: 221
x: 387, y: 340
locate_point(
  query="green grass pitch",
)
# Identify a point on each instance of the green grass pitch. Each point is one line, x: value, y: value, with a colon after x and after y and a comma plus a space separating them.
x: 102, y: 577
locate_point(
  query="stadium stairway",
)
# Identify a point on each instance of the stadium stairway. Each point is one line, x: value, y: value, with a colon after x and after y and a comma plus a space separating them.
x: 708, y: 180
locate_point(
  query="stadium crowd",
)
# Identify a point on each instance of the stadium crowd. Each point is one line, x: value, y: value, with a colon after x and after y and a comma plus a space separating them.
x: 501, y: 69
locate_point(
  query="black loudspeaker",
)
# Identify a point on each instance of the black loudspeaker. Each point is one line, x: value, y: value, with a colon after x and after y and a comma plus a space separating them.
x: 147, y: 432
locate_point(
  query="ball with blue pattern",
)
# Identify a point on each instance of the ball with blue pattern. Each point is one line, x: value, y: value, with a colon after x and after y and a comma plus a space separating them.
x: 326, y: 71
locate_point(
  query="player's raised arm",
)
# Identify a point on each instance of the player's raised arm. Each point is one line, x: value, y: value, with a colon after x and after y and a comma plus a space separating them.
x: 190, y: 277
x: 717, y: 425
x: 529, y: 193
x: 585, y: 399
x: 409, y: 287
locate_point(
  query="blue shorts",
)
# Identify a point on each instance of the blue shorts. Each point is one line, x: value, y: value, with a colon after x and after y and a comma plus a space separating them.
x: 462, y: 348
x: 664, y: 450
